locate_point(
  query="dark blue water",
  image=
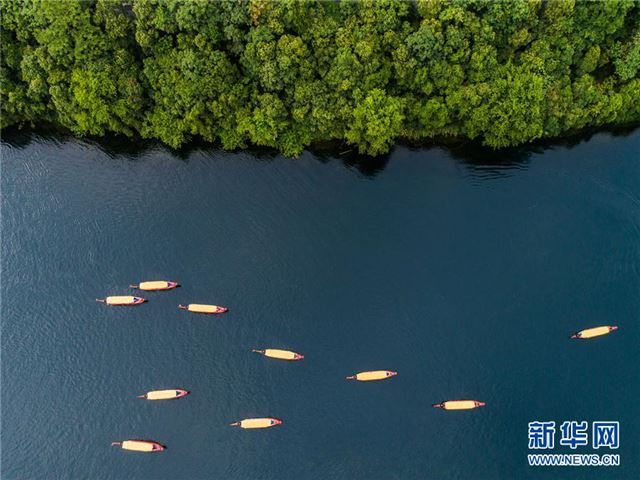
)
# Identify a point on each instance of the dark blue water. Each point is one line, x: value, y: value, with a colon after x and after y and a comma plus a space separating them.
x: 465, y: 271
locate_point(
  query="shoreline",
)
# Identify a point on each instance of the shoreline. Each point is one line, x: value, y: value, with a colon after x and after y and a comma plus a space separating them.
x: 332, y: 148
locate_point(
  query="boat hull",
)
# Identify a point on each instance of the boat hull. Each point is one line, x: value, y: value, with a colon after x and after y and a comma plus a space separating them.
x: 594, y: 332
x: 373, y: 375
x: 281, y: 354
x: 144, y: 446
x: 170, y: 394
x: 158, y: 285
x: 206, y: 309
x: 459, y: 404
x: 123, y: 301
x: 255, y: 423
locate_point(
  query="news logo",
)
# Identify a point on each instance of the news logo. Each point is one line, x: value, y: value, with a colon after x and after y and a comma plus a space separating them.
x: 574, y: 434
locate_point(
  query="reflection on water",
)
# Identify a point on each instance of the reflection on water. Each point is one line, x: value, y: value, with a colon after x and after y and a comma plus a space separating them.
x: 485, y: 163
x: 481, y: 163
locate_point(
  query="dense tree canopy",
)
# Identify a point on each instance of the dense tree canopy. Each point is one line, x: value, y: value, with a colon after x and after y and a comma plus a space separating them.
x: 289, y: 73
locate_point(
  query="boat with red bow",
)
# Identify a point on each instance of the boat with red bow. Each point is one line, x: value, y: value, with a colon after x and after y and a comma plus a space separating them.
x: 156, y: 285
x: 372, y: 375
x: 594, y: 332
x: 146, y: 446
x: 122, y: 300
x: 164, y: 394
x: 458, y: 404
x: 200, y: 308
x: 251, y: 423
x: 279, y: 354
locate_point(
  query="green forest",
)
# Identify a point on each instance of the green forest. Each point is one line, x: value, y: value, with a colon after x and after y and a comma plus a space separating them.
x: 289, y: 74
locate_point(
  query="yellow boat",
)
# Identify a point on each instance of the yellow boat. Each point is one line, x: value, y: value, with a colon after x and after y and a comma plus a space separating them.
x: 139, y: 445
x: 459, y: 404
x: 374, y: 375
x: 279, y: 354
x: 164, y: 394
x: 594, y: 332
x: 199, y: 308
x: 121, y: 300
x: 257, y: 423
x: 155, y: 285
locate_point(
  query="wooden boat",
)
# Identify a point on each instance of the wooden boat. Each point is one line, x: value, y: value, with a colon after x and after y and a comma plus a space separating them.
x: 156, y: 285
x: 122, y: 300
x: 164, y: 394
x: 371, y: 376
x: 594, y: 332
x: 459, y: 404
x: 139, y: 445
x: 198, y: 308
x: 257, y: 423
x: 279, y: 354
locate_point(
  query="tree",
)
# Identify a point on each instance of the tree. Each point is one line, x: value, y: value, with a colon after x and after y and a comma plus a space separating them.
x: 287, y: 74
x: 377, y: 120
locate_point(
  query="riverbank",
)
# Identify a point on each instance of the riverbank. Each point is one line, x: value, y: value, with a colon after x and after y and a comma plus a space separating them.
x: 468, y: 150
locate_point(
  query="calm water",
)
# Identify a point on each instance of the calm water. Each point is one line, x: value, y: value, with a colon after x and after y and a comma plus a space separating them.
x: 464, y: 271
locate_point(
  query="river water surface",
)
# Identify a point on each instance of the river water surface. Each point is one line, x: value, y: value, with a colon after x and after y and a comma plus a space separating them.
x: 464, y: 271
